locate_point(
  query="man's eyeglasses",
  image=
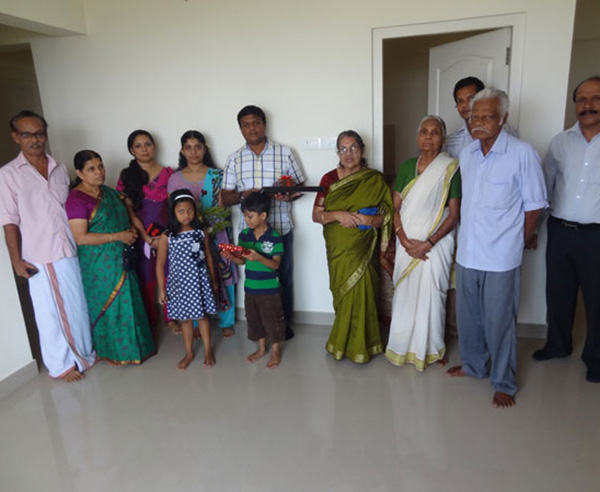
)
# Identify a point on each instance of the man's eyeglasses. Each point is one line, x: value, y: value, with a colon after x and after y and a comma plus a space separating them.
x: 29, y: 135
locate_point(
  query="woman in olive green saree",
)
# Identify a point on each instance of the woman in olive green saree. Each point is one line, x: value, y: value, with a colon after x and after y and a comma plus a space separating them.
x: 355, y: 204
x: 100, y: 224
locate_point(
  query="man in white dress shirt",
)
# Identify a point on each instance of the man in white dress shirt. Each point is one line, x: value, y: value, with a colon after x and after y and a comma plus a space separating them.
x: 573, y: 251
x: 464, y: 92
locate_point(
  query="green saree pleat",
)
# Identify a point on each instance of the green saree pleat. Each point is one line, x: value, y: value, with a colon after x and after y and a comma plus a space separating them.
x: 120, y: 328
x: 353, y: 260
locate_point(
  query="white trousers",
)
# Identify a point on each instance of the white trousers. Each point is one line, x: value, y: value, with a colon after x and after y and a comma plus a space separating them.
x: 62, y: 317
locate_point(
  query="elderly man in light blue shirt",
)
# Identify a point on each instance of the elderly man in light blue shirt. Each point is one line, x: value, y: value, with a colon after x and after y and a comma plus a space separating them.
x: 504, y: 194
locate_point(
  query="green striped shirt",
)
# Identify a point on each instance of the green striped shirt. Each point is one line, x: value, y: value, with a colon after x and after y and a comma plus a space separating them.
x: 261, y: 279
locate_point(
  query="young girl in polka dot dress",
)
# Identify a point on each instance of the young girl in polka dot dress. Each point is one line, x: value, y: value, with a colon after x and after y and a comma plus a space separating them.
x: 189, y: 291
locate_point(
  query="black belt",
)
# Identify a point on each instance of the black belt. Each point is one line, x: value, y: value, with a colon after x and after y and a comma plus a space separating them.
x: 575, y: 225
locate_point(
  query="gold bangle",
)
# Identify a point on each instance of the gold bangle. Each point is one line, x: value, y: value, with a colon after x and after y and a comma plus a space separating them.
x: 396, y: 230
x: 323, y: 218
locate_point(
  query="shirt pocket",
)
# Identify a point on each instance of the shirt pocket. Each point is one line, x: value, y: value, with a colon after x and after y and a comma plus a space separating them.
x: 497, y: 194
x: 595, y: 176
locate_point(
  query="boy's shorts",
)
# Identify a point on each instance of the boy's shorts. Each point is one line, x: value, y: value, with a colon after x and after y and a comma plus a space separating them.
x: 265, y: 317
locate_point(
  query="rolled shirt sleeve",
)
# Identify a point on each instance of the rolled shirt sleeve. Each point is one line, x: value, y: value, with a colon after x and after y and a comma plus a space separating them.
x: 9, y: 207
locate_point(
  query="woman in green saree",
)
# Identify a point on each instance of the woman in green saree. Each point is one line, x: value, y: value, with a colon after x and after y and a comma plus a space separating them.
x: 100, y: 224
x: 356, y: 204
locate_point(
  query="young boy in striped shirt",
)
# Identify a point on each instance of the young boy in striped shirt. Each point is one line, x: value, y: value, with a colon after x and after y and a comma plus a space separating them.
x: 264, y: 311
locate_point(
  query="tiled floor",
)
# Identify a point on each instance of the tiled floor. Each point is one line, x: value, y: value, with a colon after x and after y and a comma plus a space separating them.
x: 312, y: 425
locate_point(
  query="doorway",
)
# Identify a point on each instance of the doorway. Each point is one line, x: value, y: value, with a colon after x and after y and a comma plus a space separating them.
x: 19, y: 90
x: 401, y: 74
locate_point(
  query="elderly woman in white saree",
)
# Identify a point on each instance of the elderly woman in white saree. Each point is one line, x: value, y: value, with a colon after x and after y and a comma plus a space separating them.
x: 427, y: 207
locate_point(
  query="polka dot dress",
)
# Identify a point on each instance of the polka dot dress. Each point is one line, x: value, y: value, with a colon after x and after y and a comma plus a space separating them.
x: 188, y: 287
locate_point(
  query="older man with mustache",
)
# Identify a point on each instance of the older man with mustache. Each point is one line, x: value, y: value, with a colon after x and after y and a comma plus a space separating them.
x: 573, y: 252
x: 33, y: 191
x: 503, y: 196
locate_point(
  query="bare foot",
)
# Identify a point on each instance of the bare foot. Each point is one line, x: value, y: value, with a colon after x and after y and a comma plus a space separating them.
x: 174, y: 326
x: 209, y: 360
x: 443, y: 361
x: 185, y: 362
x: 456, y: 371
x: 502, y: 400
x: 228, y: 332
x: 196, y: 333
x: 73, y: 376
x: 253, y: 357
x: 274, y: 361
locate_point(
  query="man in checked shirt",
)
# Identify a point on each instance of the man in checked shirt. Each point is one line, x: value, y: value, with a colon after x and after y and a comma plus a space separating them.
x: 261, y: 162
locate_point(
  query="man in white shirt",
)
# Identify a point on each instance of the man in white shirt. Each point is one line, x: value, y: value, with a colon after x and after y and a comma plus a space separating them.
x: 464, y: 92
x: 573, y: 251
x: 503, y: 195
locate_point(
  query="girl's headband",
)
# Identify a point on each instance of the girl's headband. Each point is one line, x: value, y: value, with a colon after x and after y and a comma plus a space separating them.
x: 184, y: 196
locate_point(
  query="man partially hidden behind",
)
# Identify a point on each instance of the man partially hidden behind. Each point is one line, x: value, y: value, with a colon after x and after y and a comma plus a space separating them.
x: 33, y: 191
x: 504, y: 194
x: 262, y: 162
x: 464, y: 92
x: 573, y: 251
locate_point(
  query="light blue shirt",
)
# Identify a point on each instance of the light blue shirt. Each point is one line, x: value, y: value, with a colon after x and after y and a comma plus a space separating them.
x: 573, y: 176
x: 497, y: 190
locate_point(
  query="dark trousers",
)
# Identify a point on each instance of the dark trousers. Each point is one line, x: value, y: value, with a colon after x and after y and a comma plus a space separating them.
x: 286, y: 276
x: 265, y: 320
x: 573, y: 262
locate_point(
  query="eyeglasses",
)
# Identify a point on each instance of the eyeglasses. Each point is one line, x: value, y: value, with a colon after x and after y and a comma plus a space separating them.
x: 354, y: 149
x: 486, y: 118
x: 29, y: 135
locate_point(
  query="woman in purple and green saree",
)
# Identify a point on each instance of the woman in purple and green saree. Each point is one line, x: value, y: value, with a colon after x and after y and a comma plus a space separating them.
x: 100, y: 224
x: 356, y: 212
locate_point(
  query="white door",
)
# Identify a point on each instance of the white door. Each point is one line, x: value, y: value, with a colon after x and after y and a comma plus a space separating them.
x: 485, y: 56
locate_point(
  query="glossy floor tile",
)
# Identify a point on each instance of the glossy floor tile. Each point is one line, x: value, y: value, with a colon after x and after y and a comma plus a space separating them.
x: 313, y: 425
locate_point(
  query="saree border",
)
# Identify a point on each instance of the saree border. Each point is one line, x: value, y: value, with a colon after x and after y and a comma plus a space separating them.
x: 411, y: 358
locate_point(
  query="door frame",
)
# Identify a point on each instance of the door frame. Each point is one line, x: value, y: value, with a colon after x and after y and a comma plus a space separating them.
x: 517, y: 21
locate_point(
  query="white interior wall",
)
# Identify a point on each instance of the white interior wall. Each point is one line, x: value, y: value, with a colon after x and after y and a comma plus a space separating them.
x: 169, y: 66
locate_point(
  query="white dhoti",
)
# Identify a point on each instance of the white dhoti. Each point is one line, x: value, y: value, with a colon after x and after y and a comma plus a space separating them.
x: 419, y: 302
x: 62, y: 317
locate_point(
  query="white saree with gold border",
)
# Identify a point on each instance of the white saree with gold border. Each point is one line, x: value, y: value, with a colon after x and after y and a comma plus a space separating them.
x: 419, y: 301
